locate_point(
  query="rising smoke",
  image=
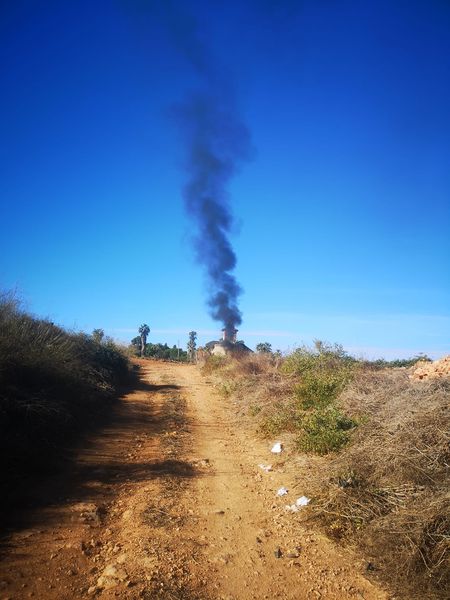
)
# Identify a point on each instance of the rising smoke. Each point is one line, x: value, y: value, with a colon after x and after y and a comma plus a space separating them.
x: 216, y: 143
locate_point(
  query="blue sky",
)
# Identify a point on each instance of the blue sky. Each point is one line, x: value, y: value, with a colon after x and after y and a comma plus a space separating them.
x: 341, y: 217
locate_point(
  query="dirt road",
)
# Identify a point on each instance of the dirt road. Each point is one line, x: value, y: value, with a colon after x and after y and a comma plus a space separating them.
x: 168, y: 501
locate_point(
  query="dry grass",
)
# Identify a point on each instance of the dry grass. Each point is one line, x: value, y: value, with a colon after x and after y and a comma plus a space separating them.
x: 386, y: 491
x: 254, y: 381
x: 53, y: 384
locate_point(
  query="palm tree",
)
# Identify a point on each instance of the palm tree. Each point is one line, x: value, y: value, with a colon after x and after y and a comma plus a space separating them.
x: 144, y: 330
x: 192, y: 345
x: 98, y: 335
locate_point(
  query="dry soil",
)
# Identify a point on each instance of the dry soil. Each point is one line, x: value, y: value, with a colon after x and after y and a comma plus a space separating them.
x: 169, y: 501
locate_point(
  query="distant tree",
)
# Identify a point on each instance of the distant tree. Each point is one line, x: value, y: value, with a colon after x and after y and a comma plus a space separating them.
x: 164, y: 352
x: 157, y: 351
x: 192, y: 345
x: 98, y: 335
x: 136, y: 342
x: 144, y: 330
x: 399, y: 362
x: 264, y: 348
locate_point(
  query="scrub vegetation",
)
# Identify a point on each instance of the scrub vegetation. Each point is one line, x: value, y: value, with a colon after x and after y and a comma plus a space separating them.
x: 158, y: 351
x: 53, y: 384
x: 373, y: 445
x: 321, y: 375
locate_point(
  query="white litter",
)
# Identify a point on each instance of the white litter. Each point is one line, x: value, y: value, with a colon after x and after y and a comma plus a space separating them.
x: 282, y: 491
x: 277, y: 448
x: 266, y: 468
x: 302, y: 501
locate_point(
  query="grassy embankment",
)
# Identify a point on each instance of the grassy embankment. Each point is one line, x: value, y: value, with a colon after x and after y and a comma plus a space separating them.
x: 374, y: 450
x: 53, y: 385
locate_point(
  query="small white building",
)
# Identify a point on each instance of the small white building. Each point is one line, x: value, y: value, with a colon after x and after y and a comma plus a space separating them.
x: 227, y: 345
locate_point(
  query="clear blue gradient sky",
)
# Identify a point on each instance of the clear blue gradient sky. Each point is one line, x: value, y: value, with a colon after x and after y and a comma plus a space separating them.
x: 342, y: 216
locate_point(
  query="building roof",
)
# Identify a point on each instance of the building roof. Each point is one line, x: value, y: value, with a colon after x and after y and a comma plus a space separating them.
x: 228, y: 346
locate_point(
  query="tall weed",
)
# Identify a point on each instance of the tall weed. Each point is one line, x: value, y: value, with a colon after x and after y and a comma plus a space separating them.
x: 52, y: 384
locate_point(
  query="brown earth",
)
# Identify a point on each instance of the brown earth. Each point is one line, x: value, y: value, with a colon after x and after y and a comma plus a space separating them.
x: 423, y: 371
x: 168, y: 501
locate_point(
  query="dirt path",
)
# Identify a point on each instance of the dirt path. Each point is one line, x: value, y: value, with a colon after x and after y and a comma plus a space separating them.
x: 169, y: 502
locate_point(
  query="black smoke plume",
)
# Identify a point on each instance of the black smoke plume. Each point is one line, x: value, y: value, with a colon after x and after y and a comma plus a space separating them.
x: 216, y: 143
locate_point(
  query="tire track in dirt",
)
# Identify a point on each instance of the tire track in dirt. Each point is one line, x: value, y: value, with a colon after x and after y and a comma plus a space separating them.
x: 168, y: 502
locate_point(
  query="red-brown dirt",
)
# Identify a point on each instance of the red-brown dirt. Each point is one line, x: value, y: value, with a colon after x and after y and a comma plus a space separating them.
x: 168, y: 501
x: 423, y: 371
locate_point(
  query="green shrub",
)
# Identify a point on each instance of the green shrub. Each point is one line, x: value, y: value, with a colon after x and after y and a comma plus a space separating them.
x: 324, y: 430
x: 319, y: 389
x: 323, y: 373
x: 323, y: 356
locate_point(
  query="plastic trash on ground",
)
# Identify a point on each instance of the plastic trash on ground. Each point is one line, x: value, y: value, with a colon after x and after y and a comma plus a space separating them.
x: 266, y: 468
x: 282, y: 491
x: 302, y: 501
x: 277, y: 448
